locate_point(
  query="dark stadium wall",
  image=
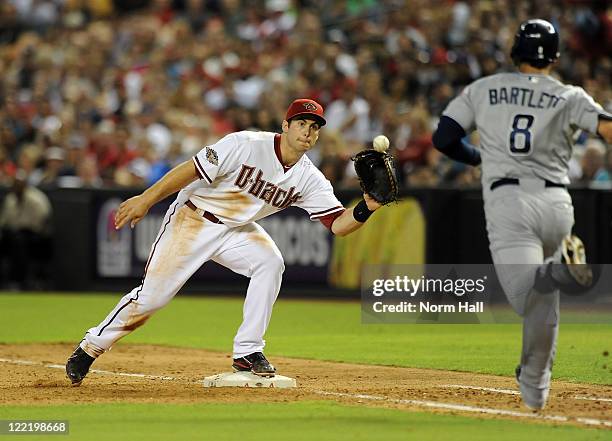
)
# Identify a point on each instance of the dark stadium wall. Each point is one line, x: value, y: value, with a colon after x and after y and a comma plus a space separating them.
x: 433, y: 225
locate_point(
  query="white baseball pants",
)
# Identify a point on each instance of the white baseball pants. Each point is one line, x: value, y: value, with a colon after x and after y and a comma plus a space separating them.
x: 186, y: 241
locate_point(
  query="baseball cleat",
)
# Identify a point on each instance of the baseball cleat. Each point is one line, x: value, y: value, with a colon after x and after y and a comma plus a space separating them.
x: 517, y: 374
x: 255, y: 363
x: 573, y: 275
x: 533, y: 398
x: 573, y: 256
x: 78, y: 365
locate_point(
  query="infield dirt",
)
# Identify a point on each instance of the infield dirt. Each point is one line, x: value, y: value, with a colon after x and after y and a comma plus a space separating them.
x: 38, y: 384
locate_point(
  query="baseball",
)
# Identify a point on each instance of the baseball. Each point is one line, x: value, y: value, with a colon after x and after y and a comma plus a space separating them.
x: 380, y: 143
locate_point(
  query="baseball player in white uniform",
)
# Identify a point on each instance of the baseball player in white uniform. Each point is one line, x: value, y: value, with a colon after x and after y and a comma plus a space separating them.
x: 224, y: 190
x: 526, y: 120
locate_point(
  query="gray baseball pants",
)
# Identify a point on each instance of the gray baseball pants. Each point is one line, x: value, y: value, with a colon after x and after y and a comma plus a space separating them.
x: 526, y: 224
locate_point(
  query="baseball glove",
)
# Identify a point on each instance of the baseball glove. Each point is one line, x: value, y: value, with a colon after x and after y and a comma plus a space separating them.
x: 376, y: 173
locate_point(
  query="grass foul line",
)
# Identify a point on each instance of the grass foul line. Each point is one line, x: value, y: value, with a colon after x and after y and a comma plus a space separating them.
x: 95, y: 371
x: 473, y: 409
x: 487, y: 389
x: 514, y: 392
x: 607, y: 400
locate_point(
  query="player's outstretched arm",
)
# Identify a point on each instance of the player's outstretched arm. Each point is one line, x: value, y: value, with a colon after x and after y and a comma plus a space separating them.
x: 134, y: 209
x: 346, y: 222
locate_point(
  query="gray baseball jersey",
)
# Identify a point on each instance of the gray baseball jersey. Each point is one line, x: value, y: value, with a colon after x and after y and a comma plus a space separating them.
x: 526, y: 123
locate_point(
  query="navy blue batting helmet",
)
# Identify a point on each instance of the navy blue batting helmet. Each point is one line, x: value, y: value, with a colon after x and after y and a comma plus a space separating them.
x: 536, y: 42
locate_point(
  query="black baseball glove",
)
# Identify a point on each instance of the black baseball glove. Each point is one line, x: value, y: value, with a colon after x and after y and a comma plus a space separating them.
x: 376, y: 173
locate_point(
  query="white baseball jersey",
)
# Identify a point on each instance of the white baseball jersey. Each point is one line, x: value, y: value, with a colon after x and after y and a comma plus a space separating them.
x: 526, y: 123
x: 243, y: 180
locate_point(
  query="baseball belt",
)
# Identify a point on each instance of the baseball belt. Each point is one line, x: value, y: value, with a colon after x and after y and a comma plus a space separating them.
x: 205, y: 214
x: 515, y: 181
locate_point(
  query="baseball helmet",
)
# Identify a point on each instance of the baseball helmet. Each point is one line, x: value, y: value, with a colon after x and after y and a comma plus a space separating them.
x: 536, y: 42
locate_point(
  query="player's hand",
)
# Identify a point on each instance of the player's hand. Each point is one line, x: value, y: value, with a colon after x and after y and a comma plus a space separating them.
x: 131, y: 210
x: 371, y: 203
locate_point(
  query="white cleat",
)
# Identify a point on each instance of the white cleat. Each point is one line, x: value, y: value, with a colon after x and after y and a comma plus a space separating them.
x: 573, y: 255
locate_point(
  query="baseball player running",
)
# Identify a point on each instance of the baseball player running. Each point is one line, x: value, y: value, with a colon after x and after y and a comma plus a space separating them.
x: 224, y: 190
x: 526, y: 121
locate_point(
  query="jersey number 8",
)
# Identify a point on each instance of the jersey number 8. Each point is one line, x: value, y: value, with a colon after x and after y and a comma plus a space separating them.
x: 520, y: 137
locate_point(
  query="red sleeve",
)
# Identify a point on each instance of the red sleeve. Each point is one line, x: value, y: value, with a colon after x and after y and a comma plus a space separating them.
x: 329, y: 219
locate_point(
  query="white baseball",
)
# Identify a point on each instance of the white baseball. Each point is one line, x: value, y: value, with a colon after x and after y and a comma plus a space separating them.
x: 380, y: 143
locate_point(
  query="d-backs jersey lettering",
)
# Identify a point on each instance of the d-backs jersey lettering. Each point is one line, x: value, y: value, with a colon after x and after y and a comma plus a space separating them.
x: 243, y: 180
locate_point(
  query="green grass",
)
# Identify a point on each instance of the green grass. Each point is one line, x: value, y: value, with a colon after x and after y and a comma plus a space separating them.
x: 318, y: 330
x: 288, y: 421
x: 310, y: 329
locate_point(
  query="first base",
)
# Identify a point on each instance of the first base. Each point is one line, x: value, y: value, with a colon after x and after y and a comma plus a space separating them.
x: 248, y: 379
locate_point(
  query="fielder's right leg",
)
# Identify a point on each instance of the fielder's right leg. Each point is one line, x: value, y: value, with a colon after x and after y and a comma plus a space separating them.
x: 184, y: 243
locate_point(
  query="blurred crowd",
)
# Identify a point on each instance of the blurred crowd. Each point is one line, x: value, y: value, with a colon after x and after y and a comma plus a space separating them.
x: 98, y: 93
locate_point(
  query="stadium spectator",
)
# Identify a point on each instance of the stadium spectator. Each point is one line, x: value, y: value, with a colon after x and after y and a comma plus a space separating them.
x: 350, y: 115
x: 414, y: 153
x: 54, y: 162
x: 605, y: 173
x: 25, y: 235
x: 592, y: 161
x: 7, y: 168
x: 87, y: 175
x: 75, y: 153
